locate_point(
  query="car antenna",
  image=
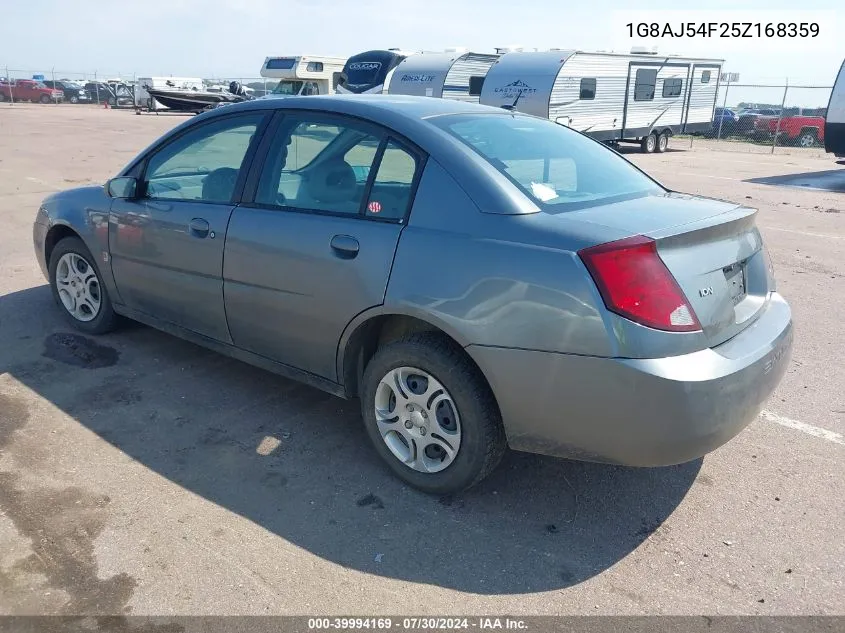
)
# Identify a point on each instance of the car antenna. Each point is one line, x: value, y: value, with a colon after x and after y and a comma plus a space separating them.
x: 512, y: 107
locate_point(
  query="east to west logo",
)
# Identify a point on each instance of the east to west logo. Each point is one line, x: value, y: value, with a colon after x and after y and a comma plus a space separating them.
x: 417, y: 79
x: 514, y: 88
x: 364, y: 65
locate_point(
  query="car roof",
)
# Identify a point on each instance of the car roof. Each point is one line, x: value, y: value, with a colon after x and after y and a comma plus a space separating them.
x: 371, y: 105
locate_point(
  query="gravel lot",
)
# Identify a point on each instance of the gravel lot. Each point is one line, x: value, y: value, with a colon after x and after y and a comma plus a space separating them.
x: 146, y: 481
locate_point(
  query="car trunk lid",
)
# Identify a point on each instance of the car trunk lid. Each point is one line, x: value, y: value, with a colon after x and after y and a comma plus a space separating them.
x: 712, y: 248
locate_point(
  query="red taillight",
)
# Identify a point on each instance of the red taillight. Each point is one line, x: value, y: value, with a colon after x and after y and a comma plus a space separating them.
x: 635, y: 283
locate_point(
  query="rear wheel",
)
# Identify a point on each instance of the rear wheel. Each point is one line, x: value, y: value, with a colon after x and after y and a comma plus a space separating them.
x: 649, y: 143
x: 807, y: 139
x: 431, y: 415
x: 663, y: 142
x: 78, y: 288
x: 44, y: 99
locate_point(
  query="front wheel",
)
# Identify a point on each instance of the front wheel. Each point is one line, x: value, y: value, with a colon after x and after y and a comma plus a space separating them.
x: 44, y: 99
x: 78, y: 288
x: 74, y: 99
x: 649, y: 144
x: 431, y: 415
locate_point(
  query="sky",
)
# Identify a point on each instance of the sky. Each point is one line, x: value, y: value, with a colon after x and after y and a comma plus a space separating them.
x: 231, y: 38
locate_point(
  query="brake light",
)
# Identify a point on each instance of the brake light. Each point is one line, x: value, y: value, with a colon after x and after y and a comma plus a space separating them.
x: 635, y: 283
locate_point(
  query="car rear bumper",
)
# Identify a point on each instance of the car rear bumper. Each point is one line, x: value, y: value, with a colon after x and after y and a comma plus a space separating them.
x: 639, y: 412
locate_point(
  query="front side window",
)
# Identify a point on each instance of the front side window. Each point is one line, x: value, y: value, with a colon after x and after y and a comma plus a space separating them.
x: 202, y: 165
x: 588, y: 89
x: 672, y: 87
x: 319, y: 166
x: 311, y: 88
x: 559, y: 169
x: 646, y: 80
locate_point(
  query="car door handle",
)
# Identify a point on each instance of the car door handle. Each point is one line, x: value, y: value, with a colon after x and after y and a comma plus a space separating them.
x: 198, y: 228
x: 345, y: 246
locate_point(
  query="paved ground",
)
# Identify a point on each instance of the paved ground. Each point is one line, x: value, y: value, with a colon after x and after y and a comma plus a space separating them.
x: 167, y: 479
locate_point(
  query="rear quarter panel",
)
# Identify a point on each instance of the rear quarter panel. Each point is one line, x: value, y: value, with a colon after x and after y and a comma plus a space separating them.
x: 498, y: 280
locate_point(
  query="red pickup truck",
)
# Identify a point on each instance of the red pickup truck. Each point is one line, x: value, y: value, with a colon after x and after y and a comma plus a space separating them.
x: 797, y: 127
x: 29, y: 90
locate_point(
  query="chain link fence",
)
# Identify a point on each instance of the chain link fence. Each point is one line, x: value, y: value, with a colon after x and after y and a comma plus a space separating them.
x: 761, y: 117
x: 750, y: 117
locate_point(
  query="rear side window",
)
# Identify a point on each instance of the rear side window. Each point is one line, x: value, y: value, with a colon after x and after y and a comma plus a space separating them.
x: 644, y: 84
x: 314, y: 67
x: 318, y: 166
x: 588, y: 89
x: 705, y: 76
x: 672, y: 87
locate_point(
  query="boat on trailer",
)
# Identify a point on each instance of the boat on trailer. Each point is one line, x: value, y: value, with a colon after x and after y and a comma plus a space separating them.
x: 194, y: 100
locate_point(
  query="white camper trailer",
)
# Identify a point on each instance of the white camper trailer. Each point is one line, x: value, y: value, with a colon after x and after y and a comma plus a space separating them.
x: 303, y: 75
x: 452, y: 75
x: 143, y: 98
x: 639, y: 97
x: 834, y: 125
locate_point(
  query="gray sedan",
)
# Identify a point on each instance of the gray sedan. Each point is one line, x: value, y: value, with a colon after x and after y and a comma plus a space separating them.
x: 478, y: 278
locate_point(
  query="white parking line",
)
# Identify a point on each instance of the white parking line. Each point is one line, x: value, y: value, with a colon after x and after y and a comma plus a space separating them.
x: 827, y: 235
x: 809, y: 429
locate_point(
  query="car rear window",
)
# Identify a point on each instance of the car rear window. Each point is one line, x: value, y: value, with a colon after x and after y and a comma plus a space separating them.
x: 555, y: 166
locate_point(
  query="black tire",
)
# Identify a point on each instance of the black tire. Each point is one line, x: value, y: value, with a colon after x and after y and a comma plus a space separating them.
x: 648, y: 144
x: 74, y: 99
x: 662, y: 143
x: 483, y: 440
x: 106, y: 319
x: 44, y: 99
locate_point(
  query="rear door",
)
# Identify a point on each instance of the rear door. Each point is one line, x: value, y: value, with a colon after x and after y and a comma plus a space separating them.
x: 315, y: 246
x: 167, y: 247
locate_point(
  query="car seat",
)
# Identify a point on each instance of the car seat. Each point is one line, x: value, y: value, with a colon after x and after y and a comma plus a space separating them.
x: 219, y: 185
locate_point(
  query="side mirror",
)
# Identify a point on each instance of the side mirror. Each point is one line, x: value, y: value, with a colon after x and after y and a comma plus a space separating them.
x: 123, y: 187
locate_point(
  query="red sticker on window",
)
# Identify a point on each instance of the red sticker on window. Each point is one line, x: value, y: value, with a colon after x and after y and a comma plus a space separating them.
x: 374, y: 207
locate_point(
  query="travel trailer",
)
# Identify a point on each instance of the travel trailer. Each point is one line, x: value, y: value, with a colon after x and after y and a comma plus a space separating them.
x: 303, y: 75
x: 143, y: 99
x: 834, y: 126
x: 638, y: 97
x: 454, y: 74
x: 370, y: 72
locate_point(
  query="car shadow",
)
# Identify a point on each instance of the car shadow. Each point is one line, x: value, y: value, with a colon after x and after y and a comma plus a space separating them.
x: 828, y: 180
x: 296, y: 461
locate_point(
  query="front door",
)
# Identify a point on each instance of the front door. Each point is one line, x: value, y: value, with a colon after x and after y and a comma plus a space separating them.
x: 167, y: 246
x: 316, y: 246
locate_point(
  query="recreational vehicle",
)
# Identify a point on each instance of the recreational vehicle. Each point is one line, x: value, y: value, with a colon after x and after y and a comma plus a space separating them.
x: 834, y: 126
x: 638, y: 97
x: 451, y: 75
x: 370, y: 72
x: 143, y: 99
x: 303, y: 75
